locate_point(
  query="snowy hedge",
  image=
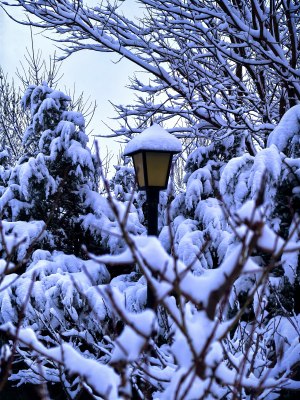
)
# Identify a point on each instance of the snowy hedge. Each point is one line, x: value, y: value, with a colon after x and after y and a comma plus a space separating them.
x: 224, y: 272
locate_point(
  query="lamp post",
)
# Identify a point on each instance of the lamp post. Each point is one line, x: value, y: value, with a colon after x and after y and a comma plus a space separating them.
x: 152, y: 152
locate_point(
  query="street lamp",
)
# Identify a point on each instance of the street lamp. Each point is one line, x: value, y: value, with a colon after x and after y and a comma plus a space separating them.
x: 152, y: 152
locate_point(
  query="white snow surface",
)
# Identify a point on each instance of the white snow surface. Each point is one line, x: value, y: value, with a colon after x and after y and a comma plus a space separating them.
x: 153, y: 138
x: 129, y: 345
x: 19, y: 236
x: 197, y: 288
x: 287, y: 129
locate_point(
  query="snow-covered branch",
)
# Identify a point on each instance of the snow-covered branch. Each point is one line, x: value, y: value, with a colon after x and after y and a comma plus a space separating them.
x: 219, y: 67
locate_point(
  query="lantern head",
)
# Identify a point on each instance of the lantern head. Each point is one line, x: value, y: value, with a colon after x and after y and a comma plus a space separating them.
x: 152, y: 152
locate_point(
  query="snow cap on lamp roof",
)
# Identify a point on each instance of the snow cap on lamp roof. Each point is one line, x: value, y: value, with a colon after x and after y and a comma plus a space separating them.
x: 154, y: 138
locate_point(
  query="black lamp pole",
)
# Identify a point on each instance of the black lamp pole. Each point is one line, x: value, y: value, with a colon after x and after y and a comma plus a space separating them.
x: 152, y: 208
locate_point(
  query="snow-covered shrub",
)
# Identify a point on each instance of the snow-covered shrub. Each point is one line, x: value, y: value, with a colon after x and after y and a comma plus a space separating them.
x: 274, y: 176
x: 225, y: 279
x: 191, y: 348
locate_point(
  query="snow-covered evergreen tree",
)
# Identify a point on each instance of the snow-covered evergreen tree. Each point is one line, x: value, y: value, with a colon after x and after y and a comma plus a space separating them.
x: 48, y: 182
x: 273, y: 175
x: 57, y: 180
x: 51, y: 207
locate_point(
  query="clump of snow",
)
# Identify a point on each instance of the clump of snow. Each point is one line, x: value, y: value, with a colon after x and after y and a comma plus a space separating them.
x: 233, y: 182
x: 130, y: 343
x: 198, y: 186
x: 153, y: 138
x: 286, y: 134
x: 19, y: 236
x: 267, y: 162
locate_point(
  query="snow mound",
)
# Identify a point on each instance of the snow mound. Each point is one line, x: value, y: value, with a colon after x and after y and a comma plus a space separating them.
x: 153, y: 138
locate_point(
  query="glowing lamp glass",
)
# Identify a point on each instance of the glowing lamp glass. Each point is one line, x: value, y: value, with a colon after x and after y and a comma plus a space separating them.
x: 152, y: 169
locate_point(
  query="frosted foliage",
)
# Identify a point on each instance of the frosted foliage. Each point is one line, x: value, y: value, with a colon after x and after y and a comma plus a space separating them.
x: 18, y: 237
x: 35, y: 170
x: 243, y: 177
x: 68, y: 296
x: 233, y: 183
x: 215, y: 226
x: 177, y: 206
x: 101, y: 221
x: 198, y: 187
x: 199, y: 156
x: 286, y: 135
x: 31, y: 98
x: 59, y: 132
x: 211, y: 215
x: 123, y: 184
x: 276, y: 176
x: 289, y: 260
x: 55, y: 293
x: 197, y: 210
x: 203, y: 164
x: 102, y: 378
x: 77, y: 119
x: 203, y: 242
x: 7, y: 306
x: 51, y: 118
x: 183, y: 226
x: 133, y: 290
x: 195, y: 287
x: 267, y: 161
x: 53, y: 180
x: 80, y: 156
x: 45, y: 107
x: 189, y: 251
